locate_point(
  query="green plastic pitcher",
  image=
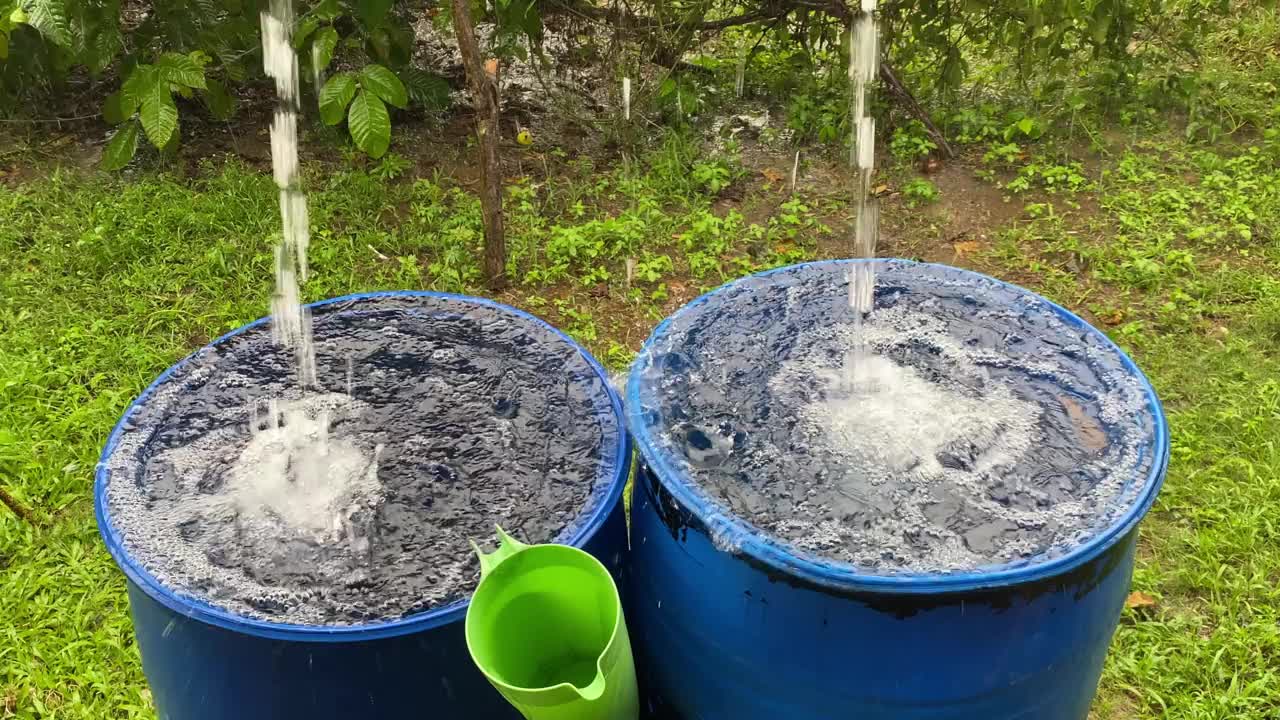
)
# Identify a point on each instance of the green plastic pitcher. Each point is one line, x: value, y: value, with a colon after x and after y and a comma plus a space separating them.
x: 546, y: 627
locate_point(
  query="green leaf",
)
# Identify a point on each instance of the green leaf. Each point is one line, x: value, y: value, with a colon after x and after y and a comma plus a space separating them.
x: 50, y: 18
x: 221, y: 104
x: 159, y: 115
x: 1100, y: 25
x: 235, y: 69
x: 136, y: 88
x: 426, y: 89
x: 170, y: 149
x: 373, y: 12
x: 1026, y: 125
x: 121, y: 148
x: 380, y: 43
x: 181, y: 70
x: 4, y: 46
x: 384, y: 83
x: 103, y: 48
x: 369, y: 123
x: 322, y: 48
x: 306, y: 26
x: 113, y: 109
x: 334, y: 96
x: 327, y: 10
x: 400, y: 46
x: 953, y: 68
x: 209, y: 9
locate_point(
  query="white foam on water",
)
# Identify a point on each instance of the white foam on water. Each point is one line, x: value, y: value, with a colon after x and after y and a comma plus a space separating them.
x: 293, y: 472
x: 892, y: 420
x: 291, y: 490
x: 912, y: 453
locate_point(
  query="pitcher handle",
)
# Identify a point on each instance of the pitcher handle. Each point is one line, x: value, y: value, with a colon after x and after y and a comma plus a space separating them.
x: 507, y: 546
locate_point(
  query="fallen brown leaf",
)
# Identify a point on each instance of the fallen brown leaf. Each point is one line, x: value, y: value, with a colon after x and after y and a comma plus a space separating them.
x: 1091, y: 433
x: 1139, y: 601
x: 879, y: 190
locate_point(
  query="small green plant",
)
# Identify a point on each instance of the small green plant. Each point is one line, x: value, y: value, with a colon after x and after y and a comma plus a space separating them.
x: 712, y: 176
x: 973, y: 123
x: 1052, y: 178
x: 680, y: 97
x: 817, y: 115
x: 911, y: 142
x: 618, y: 356
x: 1003, y: 154
x: 919, y: 191
x: 580, y: 324
x: 1020, y: 125
x: 391, y: 166
x: 652, y: 268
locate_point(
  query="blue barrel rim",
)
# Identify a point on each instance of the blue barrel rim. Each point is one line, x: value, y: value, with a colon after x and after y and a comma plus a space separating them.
x: 585, y: 524
x: 746, y: 539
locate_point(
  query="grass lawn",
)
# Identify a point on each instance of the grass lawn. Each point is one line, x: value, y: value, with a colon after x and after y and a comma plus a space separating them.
x: 1170, y: 246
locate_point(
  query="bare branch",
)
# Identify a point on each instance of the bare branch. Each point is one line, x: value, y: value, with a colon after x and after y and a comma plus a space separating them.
x: 22, y: 511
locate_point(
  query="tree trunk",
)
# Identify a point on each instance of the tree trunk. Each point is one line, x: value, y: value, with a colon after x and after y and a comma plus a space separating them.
x: 484, y: 93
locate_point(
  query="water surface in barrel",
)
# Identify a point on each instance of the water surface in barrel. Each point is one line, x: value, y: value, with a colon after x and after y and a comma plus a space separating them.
x: 978, y: 429
x: 356, y: 504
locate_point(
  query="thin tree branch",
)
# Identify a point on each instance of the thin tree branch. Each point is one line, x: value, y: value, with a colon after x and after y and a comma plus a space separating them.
x: 22, y: 511
x: 904, y: 96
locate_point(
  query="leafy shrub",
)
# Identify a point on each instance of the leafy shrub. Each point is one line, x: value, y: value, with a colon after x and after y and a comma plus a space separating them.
x: 360, y: 98
x: 911, y: 142
x: 201, y: 51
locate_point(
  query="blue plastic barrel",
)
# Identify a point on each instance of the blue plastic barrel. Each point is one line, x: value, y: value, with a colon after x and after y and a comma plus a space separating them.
x: 205, y: 663
x: 734, y: 625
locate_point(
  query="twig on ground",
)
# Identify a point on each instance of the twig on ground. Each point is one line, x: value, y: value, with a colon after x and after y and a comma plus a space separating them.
x: 22, y: 511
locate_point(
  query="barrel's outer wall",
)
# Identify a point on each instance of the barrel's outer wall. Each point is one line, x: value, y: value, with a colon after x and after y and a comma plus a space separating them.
x: 199, y: 671
x: 724, y: 638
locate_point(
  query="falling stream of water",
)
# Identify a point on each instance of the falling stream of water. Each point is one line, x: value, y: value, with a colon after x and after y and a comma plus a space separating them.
x: 294, y: 470
x: 864, y: 65
x: 291, y: 324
